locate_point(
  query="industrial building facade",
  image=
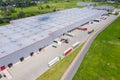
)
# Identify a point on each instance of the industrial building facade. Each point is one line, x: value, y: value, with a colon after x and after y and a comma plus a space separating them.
x: 22, y: 37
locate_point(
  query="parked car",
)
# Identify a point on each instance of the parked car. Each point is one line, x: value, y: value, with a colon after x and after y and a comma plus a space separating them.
x: 55, y: 41
x: 54, y: 46
x: 96, y: 20
x: 90, y: 31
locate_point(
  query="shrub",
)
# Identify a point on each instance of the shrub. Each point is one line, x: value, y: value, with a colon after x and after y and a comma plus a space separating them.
x: 1, y: 20
x: 21, y: 14
x: 116, y: 13
x: 4, y: 20
x: 54, y: 10
x: 12, y: 10
x: 40, y: 7
x: 67, y: 0
x: 47, y: 6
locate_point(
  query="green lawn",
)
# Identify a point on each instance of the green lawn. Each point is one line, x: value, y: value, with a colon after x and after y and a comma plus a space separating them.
x: 102, y: 61
x: 58, y: 6
x: 55, y: 72
x: 35, y: 10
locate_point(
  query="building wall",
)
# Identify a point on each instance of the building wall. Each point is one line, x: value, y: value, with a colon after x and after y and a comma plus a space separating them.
x: 25, y: 52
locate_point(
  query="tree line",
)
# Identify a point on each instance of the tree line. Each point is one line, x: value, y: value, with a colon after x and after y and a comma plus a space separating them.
x: 17, y: 3
x: 25, y: 3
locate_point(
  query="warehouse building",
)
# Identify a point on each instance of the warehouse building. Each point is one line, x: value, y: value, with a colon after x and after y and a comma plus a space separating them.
x: 22, y: 37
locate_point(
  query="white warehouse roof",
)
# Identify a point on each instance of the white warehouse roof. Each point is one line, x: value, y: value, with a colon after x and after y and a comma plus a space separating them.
x: 110, y: 8
x: 24, y: 32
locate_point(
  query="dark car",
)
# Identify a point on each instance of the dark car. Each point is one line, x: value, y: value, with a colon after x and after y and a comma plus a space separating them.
x: 54, y: 46
x: 90, y: 31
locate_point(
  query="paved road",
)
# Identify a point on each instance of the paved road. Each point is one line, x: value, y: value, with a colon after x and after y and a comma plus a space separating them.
x: 70, y: 72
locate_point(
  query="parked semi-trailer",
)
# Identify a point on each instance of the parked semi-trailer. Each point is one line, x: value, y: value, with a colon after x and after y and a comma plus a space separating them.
x: 84, y: 29
x: 75, y: 45
x: 55, y: 60
x: 67, y: 51
x: 96, y: 20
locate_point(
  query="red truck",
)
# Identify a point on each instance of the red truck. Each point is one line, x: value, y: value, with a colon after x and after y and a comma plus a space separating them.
x: 84, y: 29
x: 67, y: 51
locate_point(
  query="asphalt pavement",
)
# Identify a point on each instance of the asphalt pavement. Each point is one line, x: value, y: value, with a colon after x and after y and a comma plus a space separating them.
x: 72, y: 69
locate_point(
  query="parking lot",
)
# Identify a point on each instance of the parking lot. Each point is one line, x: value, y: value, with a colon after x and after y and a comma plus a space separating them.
x: 34, y: 66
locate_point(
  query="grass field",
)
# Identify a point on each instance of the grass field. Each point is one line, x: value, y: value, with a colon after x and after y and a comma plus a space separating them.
x: 35, y: 10
x: 102, y: 61
x: 58, y: 6
x: 57, y: 70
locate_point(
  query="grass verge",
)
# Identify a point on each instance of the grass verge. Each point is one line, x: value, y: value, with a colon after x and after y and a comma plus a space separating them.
x: 55, y: 72
x: 102, y: 61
